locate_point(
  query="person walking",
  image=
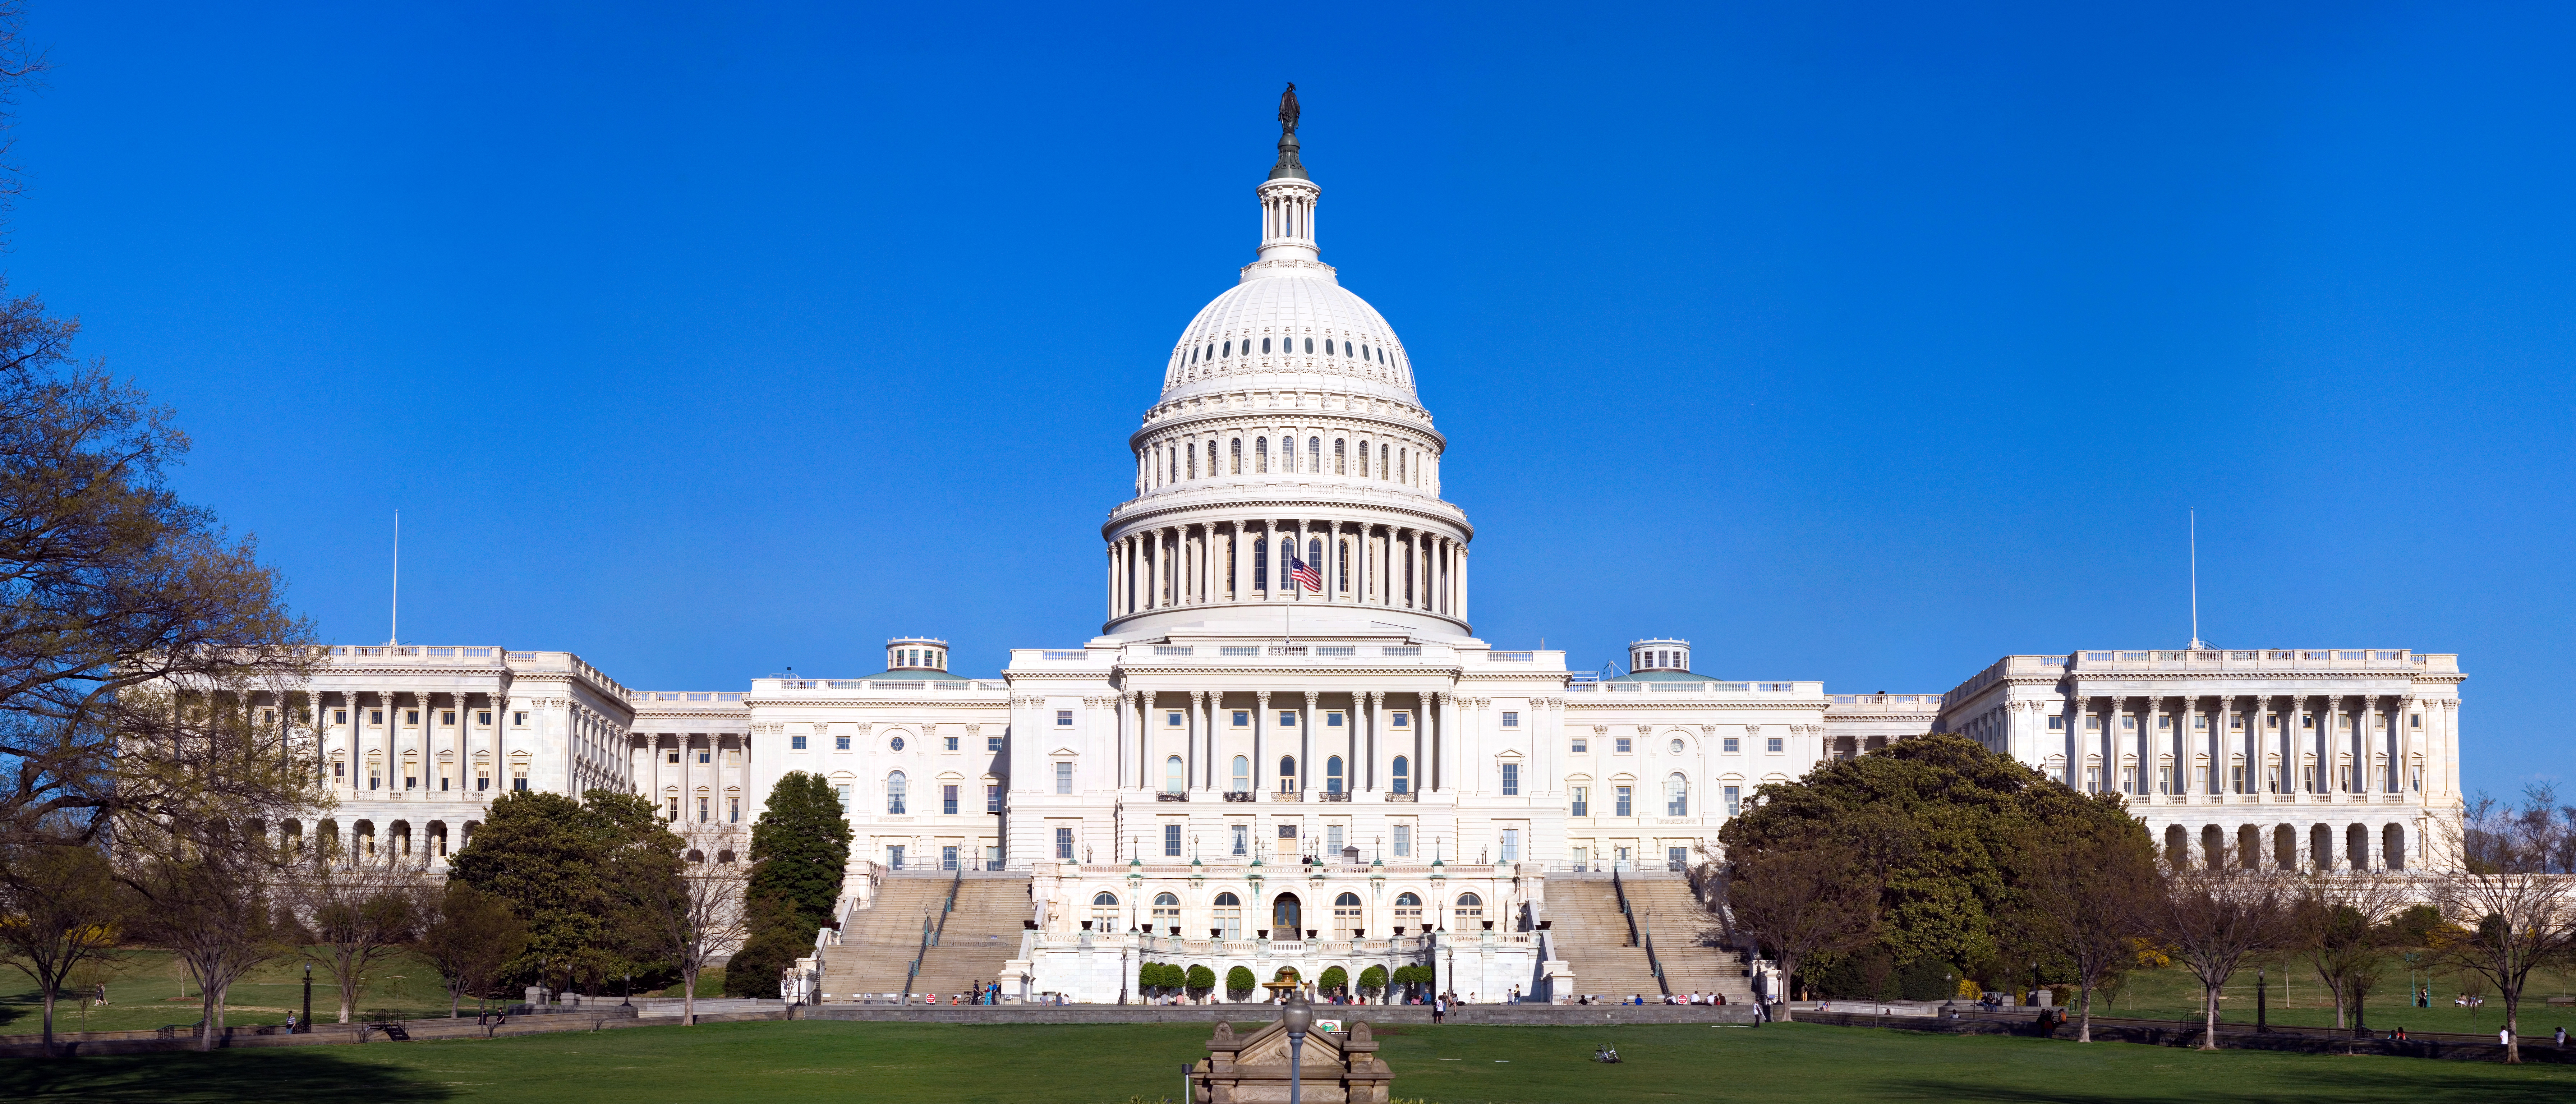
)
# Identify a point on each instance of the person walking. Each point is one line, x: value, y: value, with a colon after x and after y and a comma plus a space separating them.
x: 2504, y: 1036
x: 1439, y: 1009
x: 2562, y: 1038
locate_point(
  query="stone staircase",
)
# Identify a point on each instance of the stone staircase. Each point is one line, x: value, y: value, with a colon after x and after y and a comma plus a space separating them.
x: 1593, y: 937
x: 874, y: 957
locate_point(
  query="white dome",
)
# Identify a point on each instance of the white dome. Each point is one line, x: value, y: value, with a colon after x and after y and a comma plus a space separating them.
x: 1285, y: 302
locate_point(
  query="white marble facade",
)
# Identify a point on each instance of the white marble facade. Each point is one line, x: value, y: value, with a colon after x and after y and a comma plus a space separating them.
x: 1286, y: 671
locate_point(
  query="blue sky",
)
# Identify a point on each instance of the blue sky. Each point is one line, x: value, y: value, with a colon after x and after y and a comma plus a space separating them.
x: 1862, y: 343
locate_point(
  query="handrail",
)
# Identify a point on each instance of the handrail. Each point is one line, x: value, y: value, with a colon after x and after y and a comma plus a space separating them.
x: 1621, y: 890
x: 1653, y: 963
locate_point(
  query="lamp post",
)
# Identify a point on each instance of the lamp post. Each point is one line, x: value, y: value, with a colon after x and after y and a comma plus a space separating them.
x: 1299, y: 1016
x: 2261, y: 997
x: 308, y: 998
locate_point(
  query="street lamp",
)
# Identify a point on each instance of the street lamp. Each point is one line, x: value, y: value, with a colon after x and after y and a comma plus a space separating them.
x: 308, y: 998
x: 1299, y: 1017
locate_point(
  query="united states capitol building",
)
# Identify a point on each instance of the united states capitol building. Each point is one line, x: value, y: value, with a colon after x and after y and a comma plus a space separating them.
x: 1286, y: 746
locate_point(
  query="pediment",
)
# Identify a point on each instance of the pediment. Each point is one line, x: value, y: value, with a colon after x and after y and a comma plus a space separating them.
x: 1269, y: 1047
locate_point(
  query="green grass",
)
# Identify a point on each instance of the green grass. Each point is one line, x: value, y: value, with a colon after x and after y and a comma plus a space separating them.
x: 949, y: 1064
x: 2295, y: 997
x: 148, y: 989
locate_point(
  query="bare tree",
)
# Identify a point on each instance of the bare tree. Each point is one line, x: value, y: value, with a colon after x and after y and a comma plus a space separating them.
x: 2338, y: 921
x: 2214, y: 915
x: 1799, y: 901
x: 691, y: 911
x: 60, y: 909
x: 2081, y: 890
x: 354, y: 911
x: 2518, y: 914
x: 210, y: 906
x: 470, y: 937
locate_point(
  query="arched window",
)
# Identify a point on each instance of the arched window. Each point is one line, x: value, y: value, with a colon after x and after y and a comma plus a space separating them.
x: 1342, y: 565
x: 1470, y: 910
x: 1310, y: 346
x: 1172, y: 777
x: 894, y: 794
x: 1346, y: 914
x: 1192, y: 449
x: 1261, y: 454
x: 1287, y: 774
x: 1260, y: 563
x: 1104, y: 911
x: 1315, y: 455
x: 1328, y: 346
x: 1364, y: 455
x: 1383, y: 471
x: 1341, y: 461
x: 1265, y: 346
x: 1229, y: 349
x: 1167, y: 910
x: 1408, y: 911
x: 1236, y: 446
x: 1333, y: 775
x: 1401, y: 775
x: 1229, y: 916
x: 1676, y: 796
x: 1176, y: 463
x: 1242, y: 774
x: 1287, y: 917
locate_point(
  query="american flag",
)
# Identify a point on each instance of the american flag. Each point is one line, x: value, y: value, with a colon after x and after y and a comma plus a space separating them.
x: 1304, y: 573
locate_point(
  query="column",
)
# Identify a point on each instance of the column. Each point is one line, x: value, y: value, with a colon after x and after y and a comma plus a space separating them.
x: 1421, y: 722
x: 1306, y: 745
x: 2151, y: 746
x: 2218, y: 750
x: 1140, y: 706
x: 1462, y: 586
x: 1448, y: 737
x: 1260, y: 716
x: 1375, y: 703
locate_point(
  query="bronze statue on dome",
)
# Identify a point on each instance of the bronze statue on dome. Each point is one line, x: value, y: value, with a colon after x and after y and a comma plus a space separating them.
x: 1288, y: 109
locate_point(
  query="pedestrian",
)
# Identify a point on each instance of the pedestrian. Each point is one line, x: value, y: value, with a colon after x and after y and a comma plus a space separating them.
x: 2562, y: 1038
x: 2504, y: 1036
x: 290, y: 1025
x: 1439, y: 1009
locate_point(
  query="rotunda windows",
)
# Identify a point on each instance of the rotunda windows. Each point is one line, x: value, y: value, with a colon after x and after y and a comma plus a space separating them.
x: 1229, y: 349
x: 1265, y: 346
x: 1310, y: 346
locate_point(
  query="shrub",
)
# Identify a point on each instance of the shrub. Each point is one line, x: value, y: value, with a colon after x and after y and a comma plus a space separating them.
x: 1239, y: 983
x: 1373, y: 981
x: 1334, y: 978
x: 1199, y: 979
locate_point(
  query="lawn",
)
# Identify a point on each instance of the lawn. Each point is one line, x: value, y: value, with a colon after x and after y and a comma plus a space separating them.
x: 148, y: 989
x: 951, y: 1064
x: 2295, y: 997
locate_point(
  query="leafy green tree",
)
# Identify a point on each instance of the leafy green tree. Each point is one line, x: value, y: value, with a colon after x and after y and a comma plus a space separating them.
x: 1239, y: 984
x: 1372, y: 981
x: 799, y: 848
x: 471, y: 937
x: 1199, y: 980
x: 559, y: 863
x: 1333, y: 980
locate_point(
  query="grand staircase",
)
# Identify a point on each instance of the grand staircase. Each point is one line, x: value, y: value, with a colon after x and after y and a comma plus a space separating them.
x: 875, y: 958
x: 1608, y: 954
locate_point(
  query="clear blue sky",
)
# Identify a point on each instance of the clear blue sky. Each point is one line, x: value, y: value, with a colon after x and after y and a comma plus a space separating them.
x: 1862, y: 343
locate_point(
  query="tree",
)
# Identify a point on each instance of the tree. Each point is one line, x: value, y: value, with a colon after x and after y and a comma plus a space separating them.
x: 1372, y: 981
x: 1334, y: 979
x: 1200, y: 980
x: 210, y: 907
x: 1239, y: 984
x: 2213, y: 915
x: 354, y: 912
x: 561, y: 864
x: 470, y: 937
x: 1798, y: 898
x: 2518, y: 914
x: 800, y: 846
x: 2079, y: 890
x: 2343, y: 926
x: 688, y: 911
x: 60, y: 910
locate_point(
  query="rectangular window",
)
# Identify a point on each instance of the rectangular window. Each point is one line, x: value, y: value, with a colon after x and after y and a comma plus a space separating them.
x: 2165, y: 781
x: 339, y: 716
x: 411, y: 716
x: 842, y: 791
x: 1582, y: 746
x: 1332, y: 718
x: 894, y: 856
x: 2129, y: 723
x: 950, y: 743
x: 1773, y: 745
x: 483, y: 782
x: 948, y: 856
x: 1333, y: 840
x: 1064, y: 778
x: 992, y: 743
x: 2200, y: 720
x: 2414, y: 720
x: 1172, y: 840
x: 702, y: 809
x: 1403, y: 841
x: 2236, y: 722
x: 706, y: 756
x: 840, y: 743
x: 2164, y: 722
x: 519, y: 782
x: 1730, y: 744
x: 1064, y: 718
x: 1511, y: 845
x: 1511, y: 780
x: 375, y: 716
x: 1511, y: 719
x: 1734, y: 800
x: 1243, y: 839
x: 1621, y: 806
x: 2129, y: 780
x: 993, y: 858
x: 993, y: 799
x: 1064, y: 843
x: 447, y: 717
x: 1287, y: 718
x: 1172, y: 719
x: 1582, y: 856
x: 1582, y: 801
x: 2057, y: 724
x: 1242, y: 718
x: 733, y: 810
x: 1400, y: 719
x: 672, y: 756
x: 948, y: 799
x: 2093, y: 780
x: 2236, y: 778
x: 483, y: 717
x: 2092, y: 723
x: 674, y: 814
x: 794, y: 743
x: 519, y: 719
x: 1622, y: 745
x: 1676, y: 858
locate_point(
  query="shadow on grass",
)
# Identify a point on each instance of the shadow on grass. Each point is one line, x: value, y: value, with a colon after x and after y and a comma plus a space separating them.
x: 2416, y: 1081
x: 314, y: 1074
